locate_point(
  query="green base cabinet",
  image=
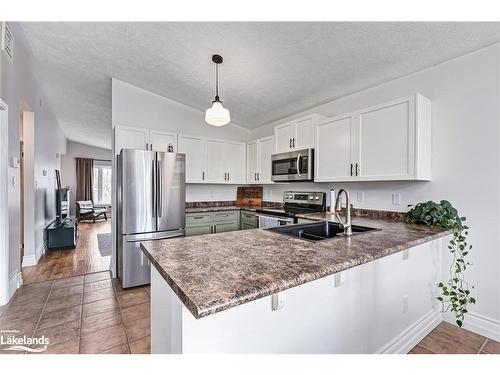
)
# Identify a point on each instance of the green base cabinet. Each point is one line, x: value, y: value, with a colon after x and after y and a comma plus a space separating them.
x: 212, y: 222
x: 248, y: 220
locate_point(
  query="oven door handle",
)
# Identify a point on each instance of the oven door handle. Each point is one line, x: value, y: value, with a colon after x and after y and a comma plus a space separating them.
x: 298, y: 165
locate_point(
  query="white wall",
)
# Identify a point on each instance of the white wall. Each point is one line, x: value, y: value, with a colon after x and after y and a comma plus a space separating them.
x: 21, y: 89
x: 133, y: 106
x: 68, y: 165
x: 465, y: 94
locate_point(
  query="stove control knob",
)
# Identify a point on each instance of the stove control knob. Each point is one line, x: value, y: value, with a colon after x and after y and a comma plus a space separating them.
x: 317, y: 197
x: 311, y: 197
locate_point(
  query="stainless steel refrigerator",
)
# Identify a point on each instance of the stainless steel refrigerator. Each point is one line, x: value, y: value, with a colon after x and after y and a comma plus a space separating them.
x: 151, y: 194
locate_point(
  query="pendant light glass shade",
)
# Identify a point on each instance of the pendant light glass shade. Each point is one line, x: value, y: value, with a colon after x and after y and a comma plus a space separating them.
x: 217, y: 115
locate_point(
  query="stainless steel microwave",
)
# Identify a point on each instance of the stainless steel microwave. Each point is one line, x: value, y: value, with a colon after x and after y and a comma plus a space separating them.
x: 295, y: 165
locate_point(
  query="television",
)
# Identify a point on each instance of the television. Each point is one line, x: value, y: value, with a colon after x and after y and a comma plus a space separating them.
x: 58, y: 198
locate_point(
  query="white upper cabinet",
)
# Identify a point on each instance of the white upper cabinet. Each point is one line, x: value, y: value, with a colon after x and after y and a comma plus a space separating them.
x: 252, y: 162
x: 163, y: 141
x: 304, y: 133
x: 216, y: 163
x: 390, y: 141
x: 194, y: 149
x: 144, y: 139
x: 234, y: 157
x: 335, y: 149
x: 212, y: 160
x: 259, y: 160
x: 296, y: 134
x: 129, y: 137
x: 266, y: 149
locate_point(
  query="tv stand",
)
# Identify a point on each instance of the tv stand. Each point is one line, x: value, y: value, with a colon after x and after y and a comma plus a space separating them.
x: 62, y: 235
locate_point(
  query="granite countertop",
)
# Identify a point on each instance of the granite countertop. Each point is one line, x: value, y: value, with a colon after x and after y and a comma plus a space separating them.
x: 220, y: 208
x: 215, y: 272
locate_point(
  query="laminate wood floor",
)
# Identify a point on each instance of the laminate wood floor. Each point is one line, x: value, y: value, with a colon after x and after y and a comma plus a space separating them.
x: 85, y: 258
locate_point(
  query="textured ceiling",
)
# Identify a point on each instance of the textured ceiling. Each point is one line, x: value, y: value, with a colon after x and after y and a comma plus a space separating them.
x: 270, y: 70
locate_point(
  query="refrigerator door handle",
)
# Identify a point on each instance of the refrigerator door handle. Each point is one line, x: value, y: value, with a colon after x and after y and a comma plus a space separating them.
x: 153, y: 191
x: 159, y: 189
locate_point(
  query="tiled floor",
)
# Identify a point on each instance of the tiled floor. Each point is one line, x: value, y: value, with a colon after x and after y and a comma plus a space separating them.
x: 81, y: 314
x: 450, y: 339
x: 85, y: 258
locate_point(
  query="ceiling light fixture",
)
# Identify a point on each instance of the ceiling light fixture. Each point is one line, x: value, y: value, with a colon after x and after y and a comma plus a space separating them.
x: 217, y: 115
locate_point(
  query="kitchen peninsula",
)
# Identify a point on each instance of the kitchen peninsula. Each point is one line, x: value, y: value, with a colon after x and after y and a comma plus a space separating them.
x: 256, y: 291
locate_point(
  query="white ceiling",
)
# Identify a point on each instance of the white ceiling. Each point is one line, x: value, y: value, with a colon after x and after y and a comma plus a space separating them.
x: 270, y: 70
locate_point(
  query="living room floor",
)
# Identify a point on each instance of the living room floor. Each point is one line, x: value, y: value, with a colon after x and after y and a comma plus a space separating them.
x: 85, y: 258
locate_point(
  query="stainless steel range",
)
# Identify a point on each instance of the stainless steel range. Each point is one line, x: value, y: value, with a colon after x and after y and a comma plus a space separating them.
x: 294, y: 202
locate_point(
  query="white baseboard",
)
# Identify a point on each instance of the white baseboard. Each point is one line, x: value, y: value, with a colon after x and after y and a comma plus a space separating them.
x: 29, y: 260
x: 480, y: 324
x: 15, y: 282
x: 406, y: 340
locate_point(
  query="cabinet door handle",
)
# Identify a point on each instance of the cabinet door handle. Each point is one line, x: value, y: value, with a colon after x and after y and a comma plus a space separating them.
x: 357, y: 169
x: 293, y: 142
x: 203, y: 175
x: 351, y: 169
x: 147, y: 146
x: 290, y: 142
x: 258, y: 176
x: 215, y: 228
x: 228, y: 176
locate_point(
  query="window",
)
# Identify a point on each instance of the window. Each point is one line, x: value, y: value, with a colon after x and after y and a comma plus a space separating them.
x: 102, y: 183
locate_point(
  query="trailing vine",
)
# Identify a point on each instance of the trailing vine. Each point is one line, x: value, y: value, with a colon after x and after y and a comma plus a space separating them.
x: 455, y: 293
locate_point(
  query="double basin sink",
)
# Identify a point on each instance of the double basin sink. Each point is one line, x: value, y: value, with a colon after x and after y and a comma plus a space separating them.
x: 318, y: 231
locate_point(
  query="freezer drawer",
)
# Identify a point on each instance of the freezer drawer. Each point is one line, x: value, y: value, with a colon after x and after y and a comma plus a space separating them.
x: 135, y: 266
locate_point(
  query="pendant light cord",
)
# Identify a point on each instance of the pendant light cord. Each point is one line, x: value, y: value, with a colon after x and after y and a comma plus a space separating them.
x: 217, y: 82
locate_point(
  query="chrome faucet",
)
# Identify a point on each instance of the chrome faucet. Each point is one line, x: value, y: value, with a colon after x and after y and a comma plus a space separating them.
x: 347, y: 225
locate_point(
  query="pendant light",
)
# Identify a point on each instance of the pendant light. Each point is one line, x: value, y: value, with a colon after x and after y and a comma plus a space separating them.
x: 217, y: 115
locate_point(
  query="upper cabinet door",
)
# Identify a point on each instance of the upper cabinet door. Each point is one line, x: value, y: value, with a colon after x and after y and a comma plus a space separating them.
x: 194, y: 148
x: 386, y: 139
x: 304, y: 134
x: 252, y: 162
x: 216, y: 161
x: 335, y: 144
x: 163, y: 141
x: 234, y: 157
x: 284, y: 135
x: 266, y: 149
x: 129, y: 137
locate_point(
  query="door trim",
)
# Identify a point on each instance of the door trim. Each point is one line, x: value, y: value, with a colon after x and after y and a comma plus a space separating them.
x: 5, y: 290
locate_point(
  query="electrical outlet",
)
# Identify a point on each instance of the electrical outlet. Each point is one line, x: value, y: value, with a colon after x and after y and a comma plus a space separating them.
x: 361, y: 196
x: 277, y: 302
x: 405, y: 304
x: 406, y: 254
x: 396, y: 199
x: 338, y: 279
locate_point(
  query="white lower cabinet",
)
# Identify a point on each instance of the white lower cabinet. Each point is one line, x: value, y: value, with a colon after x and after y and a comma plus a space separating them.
x: 259, y: 160
x: 390, y: 141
